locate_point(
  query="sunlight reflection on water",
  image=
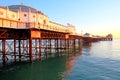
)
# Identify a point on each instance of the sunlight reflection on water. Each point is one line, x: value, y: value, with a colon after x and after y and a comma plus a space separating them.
x: 96, y: 61
x: 100, y: 61
x: 107, y: 49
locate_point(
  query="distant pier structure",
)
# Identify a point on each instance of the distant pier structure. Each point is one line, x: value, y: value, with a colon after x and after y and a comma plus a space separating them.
x: 28, y: 34
x: 87, y: 38
x: 109, y: 37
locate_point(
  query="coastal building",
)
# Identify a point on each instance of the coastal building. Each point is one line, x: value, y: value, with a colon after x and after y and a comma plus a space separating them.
x: 87, y: 35
x: 21, y: 16
x: 109, y: 37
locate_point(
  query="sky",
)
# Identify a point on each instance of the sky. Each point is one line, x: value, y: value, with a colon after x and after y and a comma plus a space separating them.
x: 98, y: 17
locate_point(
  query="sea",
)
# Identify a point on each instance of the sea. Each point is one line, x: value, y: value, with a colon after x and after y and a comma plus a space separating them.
x: 96, y: 61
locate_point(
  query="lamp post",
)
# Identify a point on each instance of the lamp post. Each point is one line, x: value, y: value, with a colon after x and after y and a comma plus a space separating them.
x: 34, y: 23
x: 18, y: 23
x: 38, y: 25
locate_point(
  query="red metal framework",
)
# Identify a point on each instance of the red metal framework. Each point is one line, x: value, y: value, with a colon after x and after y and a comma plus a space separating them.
x: 45, y: 34
x: 29, y: 44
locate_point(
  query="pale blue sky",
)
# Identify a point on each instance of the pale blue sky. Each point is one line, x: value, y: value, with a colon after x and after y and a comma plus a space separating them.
x: 98, y: 17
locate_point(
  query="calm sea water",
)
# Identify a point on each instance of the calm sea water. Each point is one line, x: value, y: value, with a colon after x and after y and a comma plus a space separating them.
x: 96, y: 61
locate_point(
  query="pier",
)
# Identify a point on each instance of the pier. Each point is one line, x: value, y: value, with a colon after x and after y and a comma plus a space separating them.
x: 30, y: 44
x: 27, y: 34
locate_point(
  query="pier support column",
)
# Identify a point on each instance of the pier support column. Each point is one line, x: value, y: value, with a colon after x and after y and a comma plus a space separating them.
x: 50, y: 46
x: 27, y: 47
x: 65, y: 46
x: 23, y: 46
x: 61, y: 47
x: 74, y: 44
x: 40, y: 49
x: 15, y: 50
x: 36, y: 48
x: 79, y: 44
x: 46, y: 48
x: 68, y: 45
x: 57, y: 47
x: 19, y: 46
x: 30, y: 50
x: 4, y: 51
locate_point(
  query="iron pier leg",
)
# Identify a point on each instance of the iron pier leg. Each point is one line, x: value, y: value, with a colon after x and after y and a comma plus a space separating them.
x: 30, y: 50
x: 65, y: 46
x: 36, y: 48
x: 23, y: 46
x: 46, y: 49
x: 57, y: 47
x: 19, y: 46
x: 40, y: 49
x: 79, y: 43
x: 50, y: 46
x: 60, y: 47
x: 68, y: 45
x: 15, y: 50
x: 74, y: 44
x: 27, y: 47
x: 4, y: 51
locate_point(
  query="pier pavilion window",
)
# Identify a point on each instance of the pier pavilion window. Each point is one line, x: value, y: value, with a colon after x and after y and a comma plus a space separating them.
x: 44, y: 21
x: 13, y: 16
x: 1, y: 13
x: 33, y: 16
x: 25, y: 15
x: 38, y: 25
x: 19, y: 19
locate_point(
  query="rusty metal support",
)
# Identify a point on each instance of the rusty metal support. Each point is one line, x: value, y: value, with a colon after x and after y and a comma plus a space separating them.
x: 4, y: 51
x: 27, y: 47
x: 40, y: 49
x: 15, y: 50
x: 74, y: 44
x: 46, y: 48
x: 60, y: 45
x: 65, y: 45
x: 19, y: 47
x: 30, y: 50
x: 23, y: 46
x: 68, y: 44
x: 36, y: 48
x: 57, y: 46
x: 50, y: 46
x: 79, y: 43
